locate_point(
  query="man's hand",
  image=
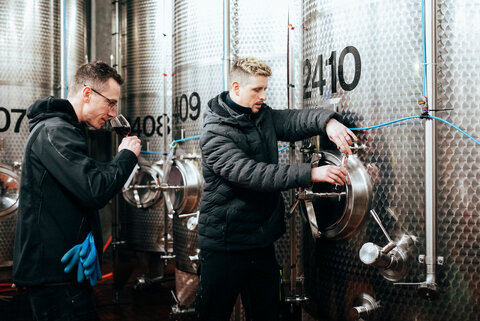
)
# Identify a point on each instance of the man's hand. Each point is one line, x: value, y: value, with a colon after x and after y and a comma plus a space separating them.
x: 340, y: 135
x: 330, y: 174
x: 131, y: 143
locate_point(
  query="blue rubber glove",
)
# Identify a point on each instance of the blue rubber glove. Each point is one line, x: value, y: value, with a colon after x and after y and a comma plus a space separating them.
x: 96, y: 274
x: 89, y: 260
x: 80, y: 274
x: 72, y: 257
x: 74, y: 254
x: 85, y: 246
x: 84, y: 256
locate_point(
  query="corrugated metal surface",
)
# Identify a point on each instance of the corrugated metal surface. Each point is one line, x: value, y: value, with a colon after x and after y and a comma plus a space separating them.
x: 147, y: 68
x: 197, y: 65
x: 388, y: 38
x: 29, y: 70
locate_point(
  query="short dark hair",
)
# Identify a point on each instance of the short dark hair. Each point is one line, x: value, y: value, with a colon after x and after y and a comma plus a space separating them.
x: 94, y: 74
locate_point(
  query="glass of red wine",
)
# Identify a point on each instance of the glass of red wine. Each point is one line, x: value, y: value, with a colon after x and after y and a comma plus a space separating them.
x: 120, y: 125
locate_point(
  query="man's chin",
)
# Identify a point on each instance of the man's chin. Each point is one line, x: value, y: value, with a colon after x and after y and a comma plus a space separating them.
x: 256, y: 109
x: 96, y: 127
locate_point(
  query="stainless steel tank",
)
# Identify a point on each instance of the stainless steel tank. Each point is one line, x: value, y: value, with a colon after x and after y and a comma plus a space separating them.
x: 30, y: 65
x: 369, y: 55
x: 272, y: 31
x: 146, y: 96
x: 199, y: 55
x: 197, y: 67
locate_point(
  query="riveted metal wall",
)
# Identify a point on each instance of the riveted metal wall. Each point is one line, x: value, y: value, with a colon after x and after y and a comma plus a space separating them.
x: 147, y: 69
x: 387, y: 36
x: 30, y: 70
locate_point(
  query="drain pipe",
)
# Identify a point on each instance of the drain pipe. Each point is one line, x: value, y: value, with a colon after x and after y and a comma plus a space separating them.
x: 114, y: 62
x: 165, y: 125
x: 226, y: 45
x: 116, y: 242
x: 63, y: 49
x: 429, y: 288
x: 116, y: 36
x: 296, y: 296
x: 291, y: 105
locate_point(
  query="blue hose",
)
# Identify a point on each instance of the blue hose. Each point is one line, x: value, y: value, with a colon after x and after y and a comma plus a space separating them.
x: 386, y: 124
x: 424, y: 51
x: 412, y: 117
x: 149, y: 152
x: 172, y: 145
x: 456, y: 127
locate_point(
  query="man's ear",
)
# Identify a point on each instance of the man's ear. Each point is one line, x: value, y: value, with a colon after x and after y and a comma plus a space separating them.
x: 236, y: 88
x: 86, y: 93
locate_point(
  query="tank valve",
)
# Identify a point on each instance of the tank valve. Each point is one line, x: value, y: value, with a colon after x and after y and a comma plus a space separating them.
x: 365, y: 306
x: 192, y: 222
x: 372, y: 254
x: 390, y: 259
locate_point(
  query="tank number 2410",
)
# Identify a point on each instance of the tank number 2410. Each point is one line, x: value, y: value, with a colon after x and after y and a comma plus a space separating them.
x: 317, y: 80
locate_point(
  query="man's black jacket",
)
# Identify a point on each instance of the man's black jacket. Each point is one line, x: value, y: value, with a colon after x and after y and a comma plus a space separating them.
x: 61, y: 190
x: 241, y: 206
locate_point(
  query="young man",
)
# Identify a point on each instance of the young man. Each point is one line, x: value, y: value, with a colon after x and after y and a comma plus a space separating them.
x: 242, y: 210
x: 62, y: 189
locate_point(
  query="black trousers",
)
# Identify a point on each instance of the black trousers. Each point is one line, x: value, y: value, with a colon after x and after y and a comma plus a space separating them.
x: 254, y: 274
x: 73, y: 302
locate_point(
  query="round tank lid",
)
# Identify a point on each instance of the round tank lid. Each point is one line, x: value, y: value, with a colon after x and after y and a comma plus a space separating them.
x: 9, y: 190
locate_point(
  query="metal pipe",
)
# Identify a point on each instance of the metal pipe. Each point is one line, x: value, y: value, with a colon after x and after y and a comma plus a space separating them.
x: 226, y: 44
x: 165, y: 123
x: 293, y: 239
x: 114, y: 63
x: 93, y: 27
x: 291, y: 104
x: 430, y: 151
x: 165, y: 119
x: 309, y: 195
x: 116, y: 201
x: 116, y: 35
x: 63, y: 49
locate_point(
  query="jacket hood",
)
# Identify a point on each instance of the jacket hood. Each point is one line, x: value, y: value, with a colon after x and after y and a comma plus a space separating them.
x: 218, y: 111
x: 50, y: 107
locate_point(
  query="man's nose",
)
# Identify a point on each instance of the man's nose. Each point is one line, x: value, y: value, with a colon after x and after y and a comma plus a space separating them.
x: 112, y: 113
x: 263, y: 96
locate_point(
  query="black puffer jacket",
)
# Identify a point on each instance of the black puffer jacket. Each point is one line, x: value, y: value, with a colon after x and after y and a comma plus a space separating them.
x: 241, y: 206
x: 61, y: 191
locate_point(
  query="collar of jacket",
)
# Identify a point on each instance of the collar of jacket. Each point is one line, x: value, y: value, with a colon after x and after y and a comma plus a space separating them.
x: 218, y: 111
x: 50, y: 107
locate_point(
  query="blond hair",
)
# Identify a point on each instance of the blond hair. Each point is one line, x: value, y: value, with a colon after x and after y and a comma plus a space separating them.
x: 243, y: 68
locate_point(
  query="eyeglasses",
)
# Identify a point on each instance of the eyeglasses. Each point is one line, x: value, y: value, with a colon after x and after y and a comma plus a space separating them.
x: 112, y: 104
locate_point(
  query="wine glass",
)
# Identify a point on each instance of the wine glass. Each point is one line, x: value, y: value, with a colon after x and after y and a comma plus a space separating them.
x: 120, y: 125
